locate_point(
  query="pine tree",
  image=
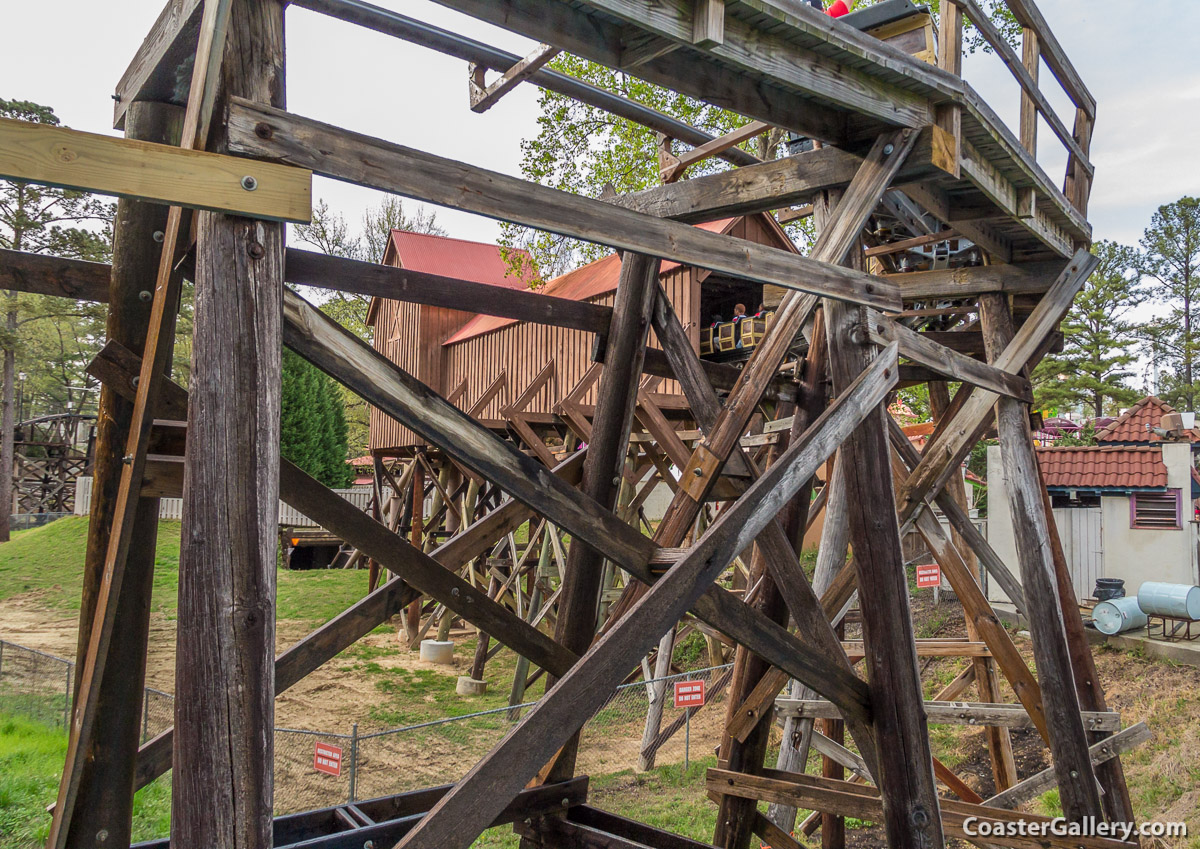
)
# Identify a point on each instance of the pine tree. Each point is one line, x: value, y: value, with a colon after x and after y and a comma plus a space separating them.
x: 1170, y: 262
x: 313, y: 423
x: 1094, y: 365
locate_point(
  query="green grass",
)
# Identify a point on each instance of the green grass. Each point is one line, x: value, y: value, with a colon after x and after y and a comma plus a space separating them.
x: 49, y: 560
x: 31, y: 759
x: 664, y: 797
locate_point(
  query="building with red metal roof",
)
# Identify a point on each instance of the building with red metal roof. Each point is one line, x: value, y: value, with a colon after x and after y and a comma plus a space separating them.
x: 471, y: 358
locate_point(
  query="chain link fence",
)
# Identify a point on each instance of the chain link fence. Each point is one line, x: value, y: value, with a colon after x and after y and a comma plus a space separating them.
x: 315, y: 769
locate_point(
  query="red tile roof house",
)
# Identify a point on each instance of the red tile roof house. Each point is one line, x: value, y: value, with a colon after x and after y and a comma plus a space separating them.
x: 1124, y: 508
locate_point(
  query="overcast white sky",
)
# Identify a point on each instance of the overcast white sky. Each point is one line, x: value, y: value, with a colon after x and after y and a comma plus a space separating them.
x: 1141, y: 61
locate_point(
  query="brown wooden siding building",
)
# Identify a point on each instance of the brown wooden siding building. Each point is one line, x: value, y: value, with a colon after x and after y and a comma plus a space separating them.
x: 462, y: 354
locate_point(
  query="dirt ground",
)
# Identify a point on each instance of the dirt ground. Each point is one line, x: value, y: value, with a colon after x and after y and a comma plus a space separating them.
x: 1163, y: 775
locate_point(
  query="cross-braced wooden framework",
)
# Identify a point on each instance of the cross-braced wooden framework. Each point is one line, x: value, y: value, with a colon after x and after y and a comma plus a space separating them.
x: 902, y: 139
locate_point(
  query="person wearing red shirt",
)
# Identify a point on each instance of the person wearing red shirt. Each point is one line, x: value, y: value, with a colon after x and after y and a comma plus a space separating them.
x: 836, y: 9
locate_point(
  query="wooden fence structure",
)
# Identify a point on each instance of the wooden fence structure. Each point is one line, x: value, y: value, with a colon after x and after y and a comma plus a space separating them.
x: 213, y: 164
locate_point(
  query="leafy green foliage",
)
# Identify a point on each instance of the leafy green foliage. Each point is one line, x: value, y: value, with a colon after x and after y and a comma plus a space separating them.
x: 582, y: 149
x: 1170, y: 260
x: 313, y: 422
x: 1100, y: 336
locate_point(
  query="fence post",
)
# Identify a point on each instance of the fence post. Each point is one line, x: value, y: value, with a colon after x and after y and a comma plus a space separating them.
x: 145, y: 713
x: 353, y: 760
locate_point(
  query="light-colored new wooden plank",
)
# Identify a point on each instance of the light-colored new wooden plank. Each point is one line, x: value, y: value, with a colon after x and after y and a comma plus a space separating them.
x: 71, y: 159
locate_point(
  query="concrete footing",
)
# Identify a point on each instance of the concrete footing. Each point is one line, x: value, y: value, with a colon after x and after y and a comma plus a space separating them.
x: 468, y: 686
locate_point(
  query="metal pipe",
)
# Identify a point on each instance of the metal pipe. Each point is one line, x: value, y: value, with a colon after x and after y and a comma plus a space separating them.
x: 452, y: 44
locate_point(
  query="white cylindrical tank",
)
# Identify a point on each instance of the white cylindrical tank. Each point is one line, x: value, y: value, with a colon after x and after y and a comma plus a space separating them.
x: 1179, y: 600
x: 1118, y: 615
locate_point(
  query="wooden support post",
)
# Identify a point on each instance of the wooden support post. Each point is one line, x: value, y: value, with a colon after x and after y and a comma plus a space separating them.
x: 736, y: 817
x: 912, y: 817
x: 1068, y: 741
x: 225, y: 659
x: 831, y: 556
x: 948, y: 116
x: 577, y: 608
x: 459, y: 817
x: 1031, y: 58
x: 1111, y: 774
x: 833, y: 827
x: 999, y: 742
x: 105, y: 796
x: 412, y: 616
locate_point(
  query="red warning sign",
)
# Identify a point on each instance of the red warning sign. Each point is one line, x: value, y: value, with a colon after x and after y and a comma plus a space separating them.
x: 689, y: 694
x: 328, y: 759
x: 929, y: 575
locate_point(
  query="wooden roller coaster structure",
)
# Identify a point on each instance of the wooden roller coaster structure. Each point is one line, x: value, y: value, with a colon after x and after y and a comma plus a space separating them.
x: 212, y: 165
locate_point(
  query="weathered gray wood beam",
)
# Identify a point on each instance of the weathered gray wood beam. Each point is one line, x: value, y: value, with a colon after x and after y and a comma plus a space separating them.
x: 168, y: 52
x: 946, y: 450
x: 767, y: 185
x: 1102, y: 752
x: 50, y: 275
x: 309, y: 268
x: 162, y: 67
x: 754, y: 50
x: 270, y: 133
x: 608, y: 449
x: 945, y: 361
x: 1068, y: 740
x: 484, y: 97
x: 348, y: 359
x: 461, y: 815
x: 1011, y: 279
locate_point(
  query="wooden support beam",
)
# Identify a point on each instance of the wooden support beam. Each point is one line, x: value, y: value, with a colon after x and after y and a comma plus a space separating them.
x: 342, y: 355
x: 904, y: 774
x: 309, y: 268
x: 348, y: 359
x: 1068, y: 741
x: 223, y: 757
x: 863, y: 802
x: 105, y: 803
x: 1013, y: 279
x: 169, y: 46
x: 767, y: 185
x: 269, y: 133
x: 602, y: 472
x: 919, y: 348
x: 907, y: 244
x: 1103, y: 752
x: 159, y: 345
x: 460, y: 816
x: 421, y: 571
x: 484, y: 97
x: 106, y: 165
x: 709, y: 149
x: 947, y: 448
x: 940, y: 712
x: 50, y: 275
x: 860, y: 201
